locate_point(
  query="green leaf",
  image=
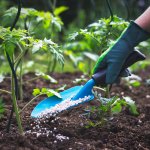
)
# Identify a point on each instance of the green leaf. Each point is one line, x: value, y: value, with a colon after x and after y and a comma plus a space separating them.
x: 37, y: 46
x: 57, y: 23
x: 46, y: 77
x: 116, y: 109
x: 10, y: 47
x: 49, y: 41
x: 91, y: 56
x: 44, y: 90
x: 36, y: 91
x: 48, y: 92
x: 62, y: 88
x: 135, y: 83
x: 60, y: 10
x: 132, y: 106
x: 73, y: 36
x: 51, y: 91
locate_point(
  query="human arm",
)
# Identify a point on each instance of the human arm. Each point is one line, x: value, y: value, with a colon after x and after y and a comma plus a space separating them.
x: 144, y: 20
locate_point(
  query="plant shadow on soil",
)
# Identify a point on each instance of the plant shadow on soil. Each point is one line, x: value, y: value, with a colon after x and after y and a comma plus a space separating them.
x: 124, y: 131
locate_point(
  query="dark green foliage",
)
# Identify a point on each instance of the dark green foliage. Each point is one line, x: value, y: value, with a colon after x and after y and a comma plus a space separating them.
x: 39, y: 24
x: 99, y: 35
x: 15, y: 40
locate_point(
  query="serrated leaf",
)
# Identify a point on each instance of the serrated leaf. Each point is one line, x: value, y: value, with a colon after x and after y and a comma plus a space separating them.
x: 37, y: 46
x: 73, y: 36
x: 49, y: 41
x: 57, y: 23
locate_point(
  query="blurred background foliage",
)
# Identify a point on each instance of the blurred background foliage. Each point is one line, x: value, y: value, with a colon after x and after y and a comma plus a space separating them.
x: 82, y: 28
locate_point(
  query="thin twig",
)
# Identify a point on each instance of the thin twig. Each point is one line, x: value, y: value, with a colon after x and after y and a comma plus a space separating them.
x: 5, y: 91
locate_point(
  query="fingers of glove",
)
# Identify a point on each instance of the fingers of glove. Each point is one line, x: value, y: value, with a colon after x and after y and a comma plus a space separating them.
x: 112, y: 73
x: 125, y: 73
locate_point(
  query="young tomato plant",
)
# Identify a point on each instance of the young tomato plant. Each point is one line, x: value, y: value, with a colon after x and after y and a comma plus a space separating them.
x: 107, y: 108
x: 15, y: 43
x: 94, y: 39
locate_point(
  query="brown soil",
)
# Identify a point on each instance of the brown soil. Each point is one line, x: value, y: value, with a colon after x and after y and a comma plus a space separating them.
x: 124, y: 131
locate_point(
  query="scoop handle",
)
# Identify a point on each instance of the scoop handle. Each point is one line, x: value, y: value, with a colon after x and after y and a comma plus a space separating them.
x: 135, y: 56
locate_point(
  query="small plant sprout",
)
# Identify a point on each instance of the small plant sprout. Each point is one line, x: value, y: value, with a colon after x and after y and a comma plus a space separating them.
x: 133, y: 81
x: 80, y: 80
x: 44, y: 91
x: 109, y: 107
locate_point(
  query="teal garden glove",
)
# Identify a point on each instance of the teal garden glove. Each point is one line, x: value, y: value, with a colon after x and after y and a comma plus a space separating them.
x: 114, y: 57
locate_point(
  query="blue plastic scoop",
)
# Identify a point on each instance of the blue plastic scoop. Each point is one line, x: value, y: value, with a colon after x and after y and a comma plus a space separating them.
x: 77, y: 93
x: 73, y: 94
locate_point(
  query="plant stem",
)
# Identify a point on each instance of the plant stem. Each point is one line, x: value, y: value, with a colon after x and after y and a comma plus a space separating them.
x: 4, y: 91
x: 30, y: 102
x: 20, y: 84
x: 49, y: 66
x: 20, y: 55
x: 54, y: 65
x: 16, y: 108
x: 107, y: 94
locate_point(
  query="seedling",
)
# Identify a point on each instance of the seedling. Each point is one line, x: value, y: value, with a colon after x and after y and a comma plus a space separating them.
x: 44, y: 91
x: 133, y: 81
x: 16, y: 43
x: 107, y: 108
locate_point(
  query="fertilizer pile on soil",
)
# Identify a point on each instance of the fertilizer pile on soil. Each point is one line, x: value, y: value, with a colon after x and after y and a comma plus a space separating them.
x: 64, y: 105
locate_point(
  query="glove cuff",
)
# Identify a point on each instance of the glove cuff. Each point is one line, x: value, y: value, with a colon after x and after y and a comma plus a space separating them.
x: 134, y: 34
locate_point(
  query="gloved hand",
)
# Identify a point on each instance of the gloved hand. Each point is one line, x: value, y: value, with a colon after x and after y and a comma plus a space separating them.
x: 114, y: 57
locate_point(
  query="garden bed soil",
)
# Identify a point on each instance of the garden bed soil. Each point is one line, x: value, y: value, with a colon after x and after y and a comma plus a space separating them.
x: 124, y: 131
